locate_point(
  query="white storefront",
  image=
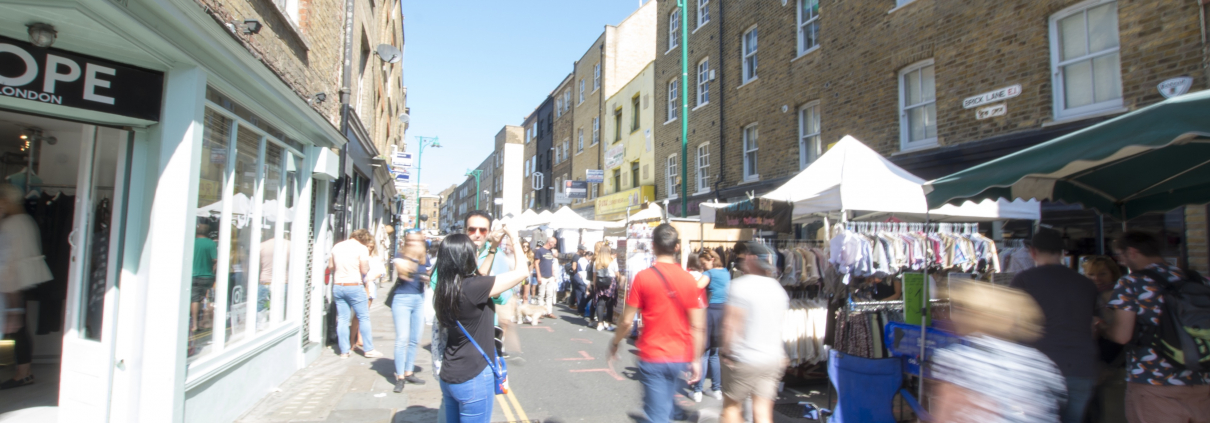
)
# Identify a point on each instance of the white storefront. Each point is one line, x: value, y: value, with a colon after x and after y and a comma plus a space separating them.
x: 157, y: 121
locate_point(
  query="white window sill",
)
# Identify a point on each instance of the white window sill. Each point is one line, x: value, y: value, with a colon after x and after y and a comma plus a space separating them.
x: 594, y: 90
x: 670, y: 121
x: 1076, y: 118
x: 210, y: 366
x: 922, y: 146
x: 801, y: 55
x: 909, y: 3
x: 670, y: 50
x: 750, y: 179
x: 700, y: 106
x: 700, y: 192
x: 698, y: 27
x: 754, y: 79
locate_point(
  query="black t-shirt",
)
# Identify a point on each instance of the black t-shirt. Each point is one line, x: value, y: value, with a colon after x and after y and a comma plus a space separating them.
x: 1068, y: 301
x: 476, y: 312
x: 546, y: 261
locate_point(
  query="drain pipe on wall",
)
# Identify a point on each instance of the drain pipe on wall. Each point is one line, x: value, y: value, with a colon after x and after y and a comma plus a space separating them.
x: 722, y: 127
x: 342, y: 203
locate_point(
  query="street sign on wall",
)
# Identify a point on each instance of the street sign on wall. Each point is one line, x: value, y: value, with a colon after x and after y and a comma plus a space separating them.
x: 401, y: 159
x: 991, y: 111
x: 595, y: 176
x: 992, y: 97
x: 615, y: 156
x: 576, y: 189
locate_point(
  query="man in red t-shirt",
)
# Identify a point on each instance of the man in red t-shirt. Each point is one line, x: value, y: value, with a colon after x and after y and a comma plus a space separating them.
x: 674, y: 326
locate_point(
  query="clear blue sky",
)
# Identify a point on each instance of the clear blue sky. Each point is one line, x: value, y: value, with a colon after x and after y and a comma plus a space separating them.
x: 472, y: 67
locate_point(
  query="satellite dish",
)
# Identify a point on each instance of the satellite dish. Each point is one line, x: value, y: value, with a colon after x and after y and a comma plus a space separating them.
x: 403, y: 117
x: 388, y: 53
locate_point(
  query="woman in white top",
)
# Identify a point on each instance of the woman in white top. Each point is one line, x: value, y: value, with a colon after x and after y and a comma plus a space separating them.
x: 21, y: 267
x: 376, y: 272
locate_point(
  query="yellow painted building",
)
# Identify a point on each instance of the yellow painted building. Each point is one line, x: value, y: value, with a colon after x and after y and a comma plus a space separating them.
x: 629, y: 152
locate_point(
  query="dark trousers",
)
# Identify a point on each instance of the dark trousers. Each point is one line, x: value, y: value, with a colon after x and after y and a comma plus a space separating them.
x: 604, y: 309
x: 577, y: 295
x: 23, y: 344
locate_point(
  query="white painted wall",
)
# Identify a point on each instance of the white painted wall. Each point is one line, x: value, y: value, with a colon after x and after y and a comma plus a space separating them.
x: 513, y: 178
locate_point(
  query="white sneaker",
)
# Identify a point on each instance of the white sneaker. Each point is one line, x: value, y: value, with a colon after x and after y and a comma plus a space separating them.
x: 600, y: 327
x: 372, y: 354
x: 718, y: 395
x: 697, y: 397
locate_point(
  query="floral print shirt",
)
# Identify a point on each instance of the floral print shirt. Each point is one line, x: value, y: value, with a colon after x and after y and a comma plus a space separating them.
x: 1140, y: 294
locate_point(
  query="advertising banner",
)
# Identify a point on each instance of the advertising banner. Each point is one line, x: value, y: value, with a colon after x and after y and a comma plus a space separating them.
x: 758, y: 213
x: 576, y: 189
x: 615, y: 156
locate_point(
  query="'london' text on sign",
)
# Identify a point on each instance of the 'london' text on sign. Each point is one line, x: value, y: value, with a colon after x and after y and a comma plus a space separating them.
x: 992, y: 97
x: 75, y: 80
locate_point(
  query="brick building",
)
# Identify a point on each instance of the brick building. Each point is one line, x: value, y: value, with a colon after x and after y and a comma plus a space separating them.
x: 563, y: 135
x: 793, y: 78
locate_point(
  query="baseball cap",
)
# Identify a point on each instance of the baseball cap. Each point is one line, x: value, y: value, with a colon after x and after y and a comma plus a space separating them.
x: 1047, y: 240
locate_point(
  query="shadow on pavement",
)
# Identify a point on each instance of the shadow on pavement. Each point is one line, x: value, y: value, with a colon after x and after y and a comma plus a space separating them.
x: 415, y: 414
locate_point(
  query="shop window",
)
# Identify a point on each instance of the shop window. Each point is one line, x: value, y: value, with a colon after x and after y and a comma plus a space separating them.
x: 1086, y: 66
x: 918, y: 111
x: 634, y: 174
x: 808, y: 25
x: 248, y: 184
x: 809, y: 147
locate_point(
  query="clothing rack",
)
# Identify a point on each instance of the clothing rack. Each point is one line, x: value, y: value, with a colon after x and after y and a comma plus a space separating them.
x: 866, y: 227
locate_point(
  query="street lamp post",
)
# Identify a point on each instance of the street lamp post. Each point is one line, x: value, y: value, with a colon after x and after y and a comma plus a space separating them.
x: 476, y: 173
x: 684, y: 107
x: 422, y: 142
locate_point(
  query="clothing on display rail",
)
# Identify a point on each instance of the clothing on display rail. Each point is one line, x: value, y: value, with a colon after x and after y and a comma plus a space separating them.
x: 873, y: 248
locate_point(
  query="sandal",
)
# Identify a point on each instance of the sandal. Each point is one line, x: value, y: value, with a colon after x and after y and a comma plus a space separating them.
x: 17, y: 383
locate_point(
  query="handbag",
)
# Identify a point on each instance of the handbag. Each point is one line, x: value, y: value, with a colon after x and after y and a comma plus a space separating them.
x: 499, y: 369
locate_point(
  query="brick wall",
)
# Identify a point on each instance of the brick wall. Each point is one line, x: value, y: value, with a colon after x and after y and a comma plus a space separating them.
x: 584, y: 112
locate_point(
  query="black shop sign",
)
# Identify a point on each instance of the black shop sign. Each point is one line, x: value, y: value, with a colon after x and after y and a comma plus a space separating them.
x: 758, y: 213
x: 61, y: 77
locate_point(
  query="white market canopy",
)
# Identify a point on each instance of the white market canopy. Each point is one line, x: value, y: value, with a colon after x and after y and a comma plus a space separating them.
x: 852, y: 177
x: 566, y: 218
x: 652, y: 212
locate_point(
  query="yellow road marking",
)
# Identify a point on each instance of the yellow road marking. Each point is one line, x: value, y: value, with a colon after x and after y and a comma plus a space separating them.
x: 508, y: 414
x: 517, y: 406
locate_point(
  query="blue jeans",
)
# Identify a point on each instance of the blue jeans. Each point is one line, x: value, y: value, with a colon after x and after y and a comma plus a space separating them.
x: 660, y: 382
x: 1079, y: 393
x: 470, y: 401
x: 710, y: 366
x: 262, y: 297
x: 352, y: 296
x: 407, y: 309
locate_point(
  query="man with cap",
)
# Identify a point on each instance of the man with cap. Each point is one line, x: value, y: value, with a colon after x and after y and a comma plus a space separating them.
x: 1068, y: 301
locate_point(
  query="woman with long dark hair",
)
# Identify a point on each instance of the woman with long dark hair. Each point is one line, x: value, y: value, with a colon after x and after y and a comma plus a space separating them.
x: 463, y: 304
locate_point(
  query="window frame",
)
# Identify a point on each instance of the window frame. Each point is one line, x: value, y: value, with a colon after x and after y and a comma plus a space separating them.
x: 703, y: 12
x: 905, y: 136
x: 673, y: 96
x: 674, y: 29
x: 703, y: 82
x: 581, y: 92
x: 753, y: 173
x: 801, y: 25
x: 744, y: 54
x: 671, y: 172
x: 1059, y: 83
x: 702, y: 170
x: 803, y: 136
x: 596, y: 131
x: 596, y: 77
x: 636, y: 103
x: 580, y: 140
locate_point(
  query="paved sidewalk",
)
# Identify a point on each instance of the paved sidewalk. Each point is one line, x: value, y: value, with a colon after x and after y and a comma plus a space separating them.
x: 356, y: 389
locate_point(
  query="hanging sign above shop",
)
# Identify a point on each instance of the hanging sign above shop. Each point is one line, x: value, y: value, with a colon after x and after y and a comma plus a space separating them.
x: 73, y: 80
x: 991, y: 111
x: 757, y: 213
x: 615, y: 156
x: 595, y: 176
x: 992, y: 97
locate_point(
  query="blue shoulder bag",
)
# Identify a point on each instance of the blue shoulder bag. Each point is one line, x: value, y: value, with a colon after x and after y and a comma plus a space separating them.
x: 499, y: 369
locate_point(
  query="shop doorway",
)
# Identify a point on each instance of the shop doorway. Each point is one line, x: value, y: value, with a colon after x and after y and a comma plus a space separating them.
x: 74, y: 178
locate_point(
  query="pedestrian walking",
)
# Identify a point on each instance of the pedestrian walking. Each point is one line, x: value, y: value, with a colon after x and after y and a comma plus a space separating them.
x: 580, y: 279
x: 605, y: 286
x: 1068, y: 301
x: 464, y: 306
x: 674, y: 326
x: 992, y: 377
x: 1157, y: 389
x: 753, y: 355
x: 532, y: 280
x: 406, y: 300
x: 22, y: 266
x: 545, y: 265
x: 376, y: 271
x: 715, y: 281
x: 349, y: 262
